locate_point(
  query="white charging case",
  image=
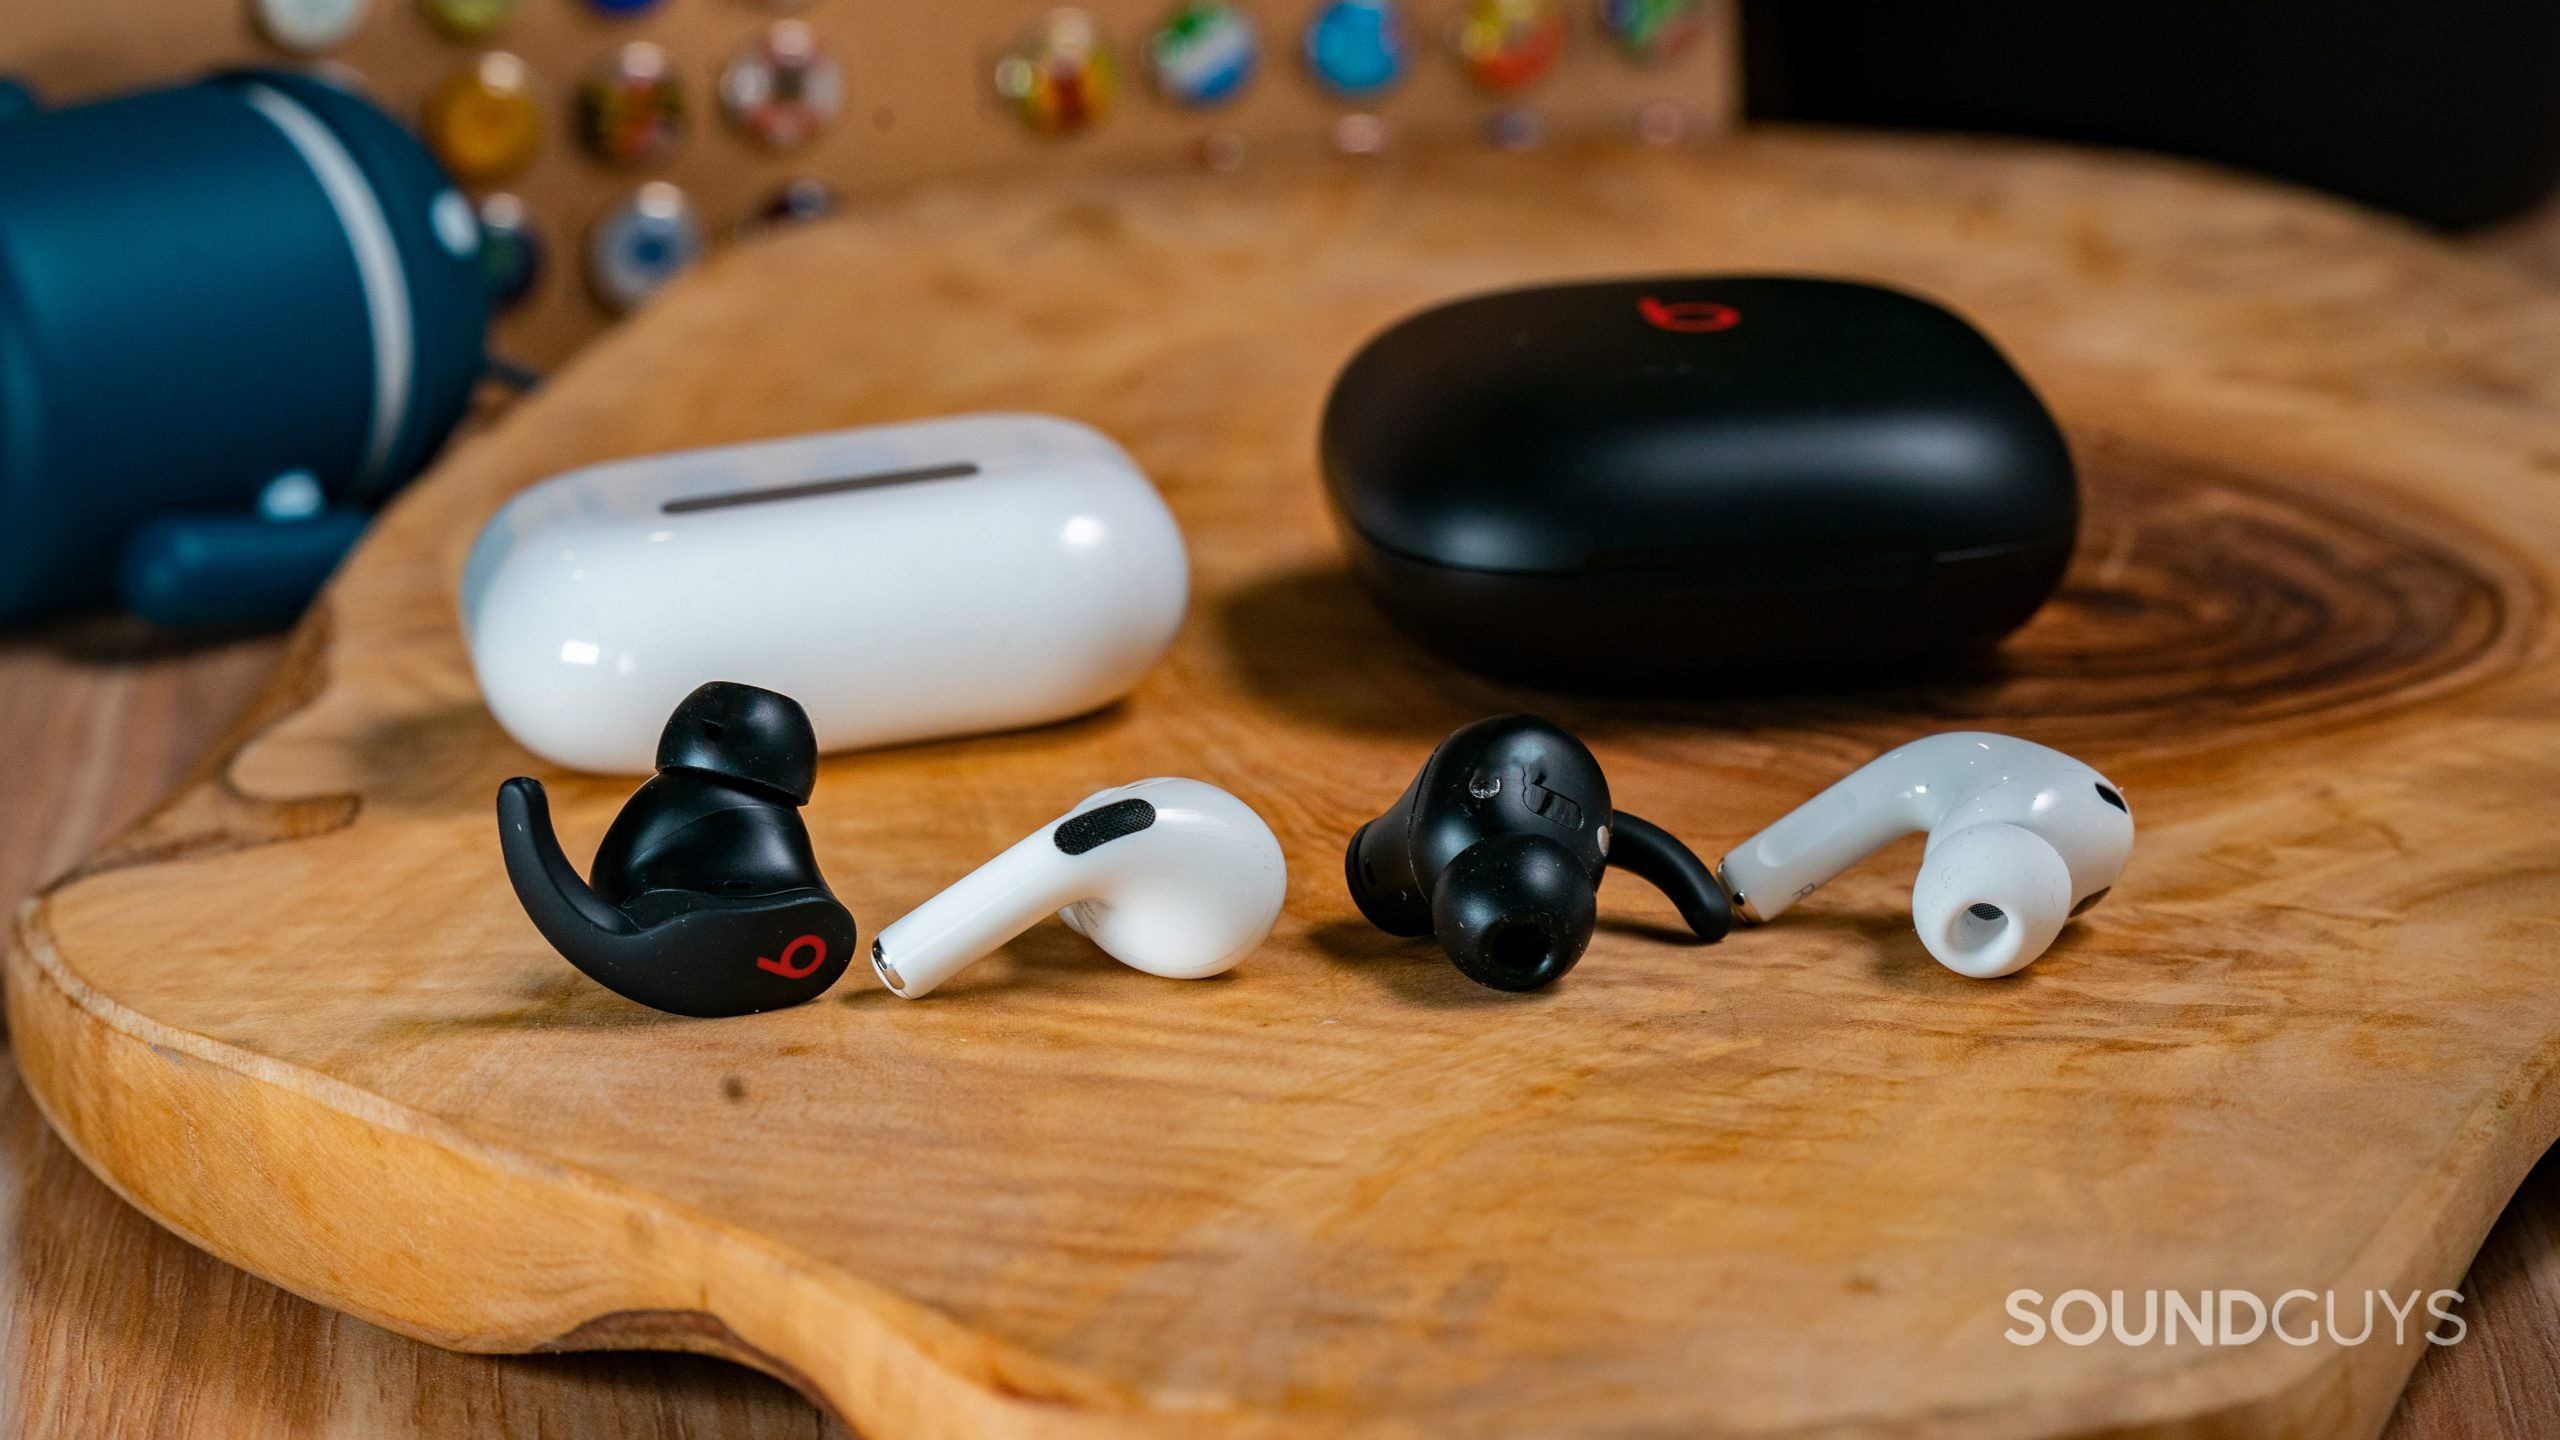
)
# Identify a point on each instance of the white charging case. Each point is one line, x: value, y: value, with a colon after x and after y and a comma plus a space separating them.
x: 903, y: 582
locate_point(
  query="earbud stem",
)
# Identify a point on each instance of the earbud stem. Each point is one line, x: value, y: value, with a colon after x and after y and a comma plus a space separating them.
x: 985, y: 908
x: 1884, y: 799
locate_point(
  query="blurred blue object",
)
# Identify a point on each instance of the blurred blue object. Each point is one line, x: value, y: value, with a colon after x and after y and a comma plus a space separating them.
x: 203, y: 289
x: 233, y: 570
x: 16, y: 100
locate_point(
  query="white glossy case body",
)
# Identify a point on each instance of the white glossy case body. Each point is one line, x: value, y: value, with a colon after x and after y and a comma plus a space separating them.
x: 902, y: 582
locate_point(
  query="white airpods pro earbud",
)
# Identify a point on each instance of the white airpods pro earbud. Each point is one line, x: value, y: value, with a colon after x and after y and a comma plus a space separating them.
x: 1174, y: 877
x: 2021, y: 839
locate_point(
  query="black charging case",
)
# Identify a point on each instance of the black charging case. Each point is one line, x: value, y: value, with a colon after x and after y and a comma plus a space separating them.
x: 1687, y: 482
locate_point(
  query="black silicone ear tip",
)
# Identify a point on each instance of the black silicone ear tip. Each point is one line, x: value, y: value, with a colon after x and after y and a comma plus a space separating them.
x: 745, y: 733
x: 1514, y: 912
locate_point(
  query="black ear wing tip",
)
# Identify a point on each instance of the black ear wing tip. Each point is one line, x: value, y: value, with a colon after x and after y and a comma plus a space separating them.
x: 1662, y: 860
x: 549, y: 888
x: 1709, y: 912
x: 524, y: 833
x: 520, y: 799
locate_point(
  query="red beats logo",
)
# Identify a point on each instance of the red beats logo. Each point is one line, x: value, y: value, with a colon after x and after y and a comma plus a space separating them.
x: 1688, y: 317
x: 783, y: 967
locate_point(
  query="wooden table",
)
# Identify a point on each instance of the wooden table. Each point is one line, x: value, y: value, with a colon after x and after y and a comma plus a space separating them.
x: 113, y: 1324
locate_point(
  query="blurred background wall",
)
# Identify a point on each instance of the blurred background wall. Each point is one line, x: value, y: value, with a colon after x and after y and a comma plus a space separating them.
x: 918, y: 96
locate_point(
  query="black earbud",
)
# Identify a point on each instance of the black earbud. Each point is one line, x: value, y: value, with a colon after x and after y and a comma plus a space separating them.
x: 705, y: 897
x: 1496, y: 849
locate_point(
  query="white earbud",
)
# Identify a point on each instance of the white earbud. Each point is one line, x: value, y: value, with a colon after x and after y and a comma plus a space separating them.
x: 1174, y: 877
x: 2021, y: 839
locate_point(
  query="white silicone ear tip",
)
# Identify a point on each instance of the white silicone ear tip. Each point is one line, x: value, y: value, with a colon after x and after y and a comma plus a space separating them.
x: 1990, y: 899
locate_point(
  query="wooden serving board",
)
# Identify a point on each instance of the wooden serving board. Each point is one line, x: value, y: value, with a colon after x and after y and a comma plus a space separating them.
x: 1780, y: 1186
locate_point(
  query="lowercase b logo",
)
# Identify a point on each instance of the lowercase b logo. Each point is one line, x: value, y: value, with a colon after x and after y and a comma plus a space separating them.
x: 817, y: 952
x: 1688, y: 317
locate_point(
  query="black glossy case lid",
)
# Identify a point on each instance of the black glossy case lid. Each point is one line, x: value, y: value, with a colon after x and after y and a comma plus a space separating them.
x: 1652, y: 424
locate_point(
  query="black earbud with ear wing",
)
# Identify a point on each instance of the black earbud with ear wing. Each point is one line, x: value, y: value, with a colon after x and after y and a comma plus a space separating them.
x: 705, y: 898
x: 1497, y: 847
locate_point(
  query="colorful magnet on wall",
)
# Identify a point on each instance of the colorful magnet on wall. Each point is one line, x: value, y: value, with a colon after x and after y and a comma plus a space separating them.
x: 308, y: 27
x: 1203, y: 53
x: 1514, y: 128
x: 642, y: 244
x: 1356, y: 47
x: 803, y: 197
x: 511, y: 252
x: 631, y: 109
x: 455, y: 223
x: 468, y: 19
x: 1222, y: 152
x: 1509, y: 45
x: 1360, y: 134
x: 482, y: 122
x: 1062, y: 77
x: 782, y: 89
x: 1662, y: 122
x: 1652, y: 31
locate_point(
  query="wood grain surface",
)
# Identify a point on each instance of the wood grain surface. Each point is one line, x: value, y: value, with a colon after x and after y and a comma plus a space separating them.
x: 112, y: 1326
x: 2310, y: 610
